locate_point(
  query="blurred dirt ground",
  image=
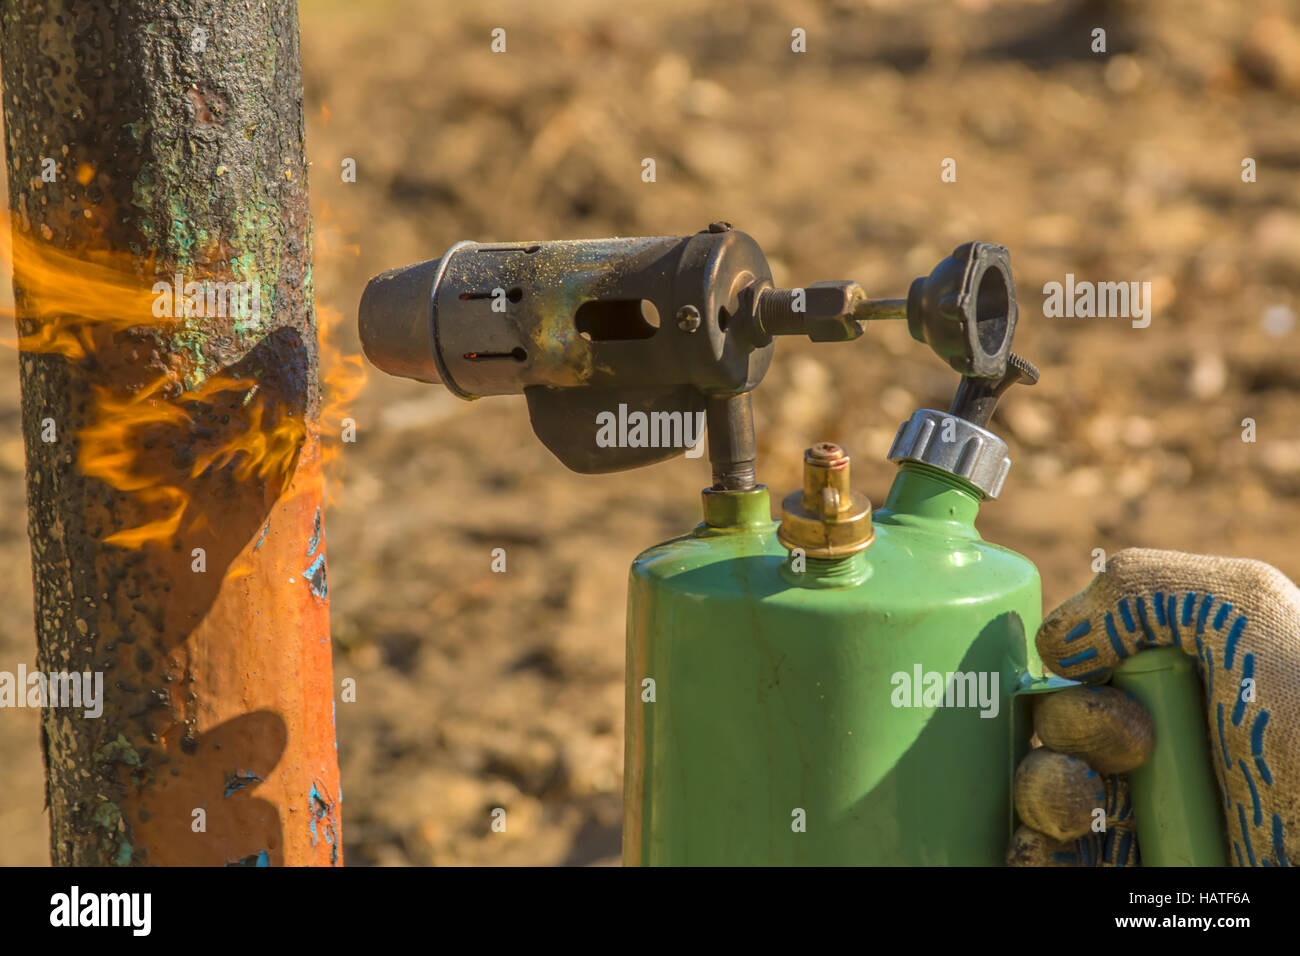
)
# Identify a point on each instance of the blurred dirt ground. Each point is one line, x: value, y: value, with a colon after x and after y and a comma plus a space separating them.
x: 478, y: 690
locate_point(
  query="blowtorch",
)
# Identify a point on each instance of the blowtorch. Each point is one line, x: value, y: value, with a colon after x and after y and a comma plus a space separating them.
x: 846, y: 685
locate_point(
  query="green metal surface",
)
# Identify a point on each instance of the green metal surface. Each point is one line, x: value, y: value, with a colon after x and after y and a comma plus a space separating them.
x: 769, y: 714
x: 1175, y: 798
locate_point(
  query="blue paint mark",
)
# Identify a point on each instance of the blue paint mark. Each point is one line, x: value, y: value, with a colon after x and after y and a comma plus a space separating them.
x: 1237, y: 846
x: 316, y: 578
x: 1224, y: 610
x: 1209, y: 673
x: 1247, y: 673
x: 1234, y: 635
x: 1078, y: 658
x: 314, y: 543
x: 262, y: 537
x: 322, y: 810
x: 1173, y: 623
x: 239, y: 780
x: 1279, y: 845
x: 1187, y: 607
x: 1120, y: 652
x: 1078, y: 631
x: 1160, y: 608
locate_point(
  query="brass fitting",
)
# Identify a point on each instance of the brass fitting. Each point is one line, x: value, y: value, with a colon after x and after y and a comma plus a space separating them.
x: 827, y: 518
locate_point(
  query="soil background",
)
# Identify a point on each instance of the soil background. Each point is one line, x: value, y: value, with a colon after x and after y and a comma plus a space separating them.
x: 477, y: 690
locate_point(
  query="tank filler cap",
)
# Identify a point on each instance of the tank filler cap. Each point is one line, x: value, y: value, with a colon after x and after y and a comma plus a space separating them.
x: 826, y: 518
x: 956, y: 441
x: 943, y: 440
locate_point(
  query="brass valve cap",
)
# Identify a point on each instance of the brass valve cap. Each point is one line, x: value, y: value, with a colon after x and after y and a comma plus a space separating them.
x: 826, y: 518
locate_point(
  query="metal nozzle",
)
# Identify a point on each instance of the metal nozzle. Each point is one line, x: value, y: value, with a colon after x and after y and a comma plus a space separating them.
x: 395, y: 320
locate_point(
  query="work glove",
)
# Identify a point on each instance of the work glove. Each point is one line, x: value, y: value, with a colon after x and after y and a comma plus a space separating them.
x: 1241, y: 620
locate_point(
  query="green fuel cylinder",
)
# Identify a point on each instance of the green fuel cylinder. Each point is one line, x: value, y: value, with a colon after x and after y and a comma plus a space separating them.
x: 834, y: 688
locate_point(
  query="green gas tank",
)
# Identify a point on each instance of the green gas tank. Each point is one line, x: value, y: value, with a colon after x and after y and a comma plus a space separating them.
x: 834, y: 688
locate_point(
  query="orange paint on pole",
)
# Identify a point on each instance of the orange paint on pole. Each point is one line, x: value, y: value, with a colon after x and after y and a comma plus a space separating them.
x: 256, y: 749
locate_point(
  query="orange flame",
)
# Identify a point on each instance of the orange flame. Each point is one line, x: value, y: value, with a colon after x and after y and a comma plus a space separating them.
x: 343, y: 373
x: 67, y: 297
x: 257, y: 448
x: 158, y: 440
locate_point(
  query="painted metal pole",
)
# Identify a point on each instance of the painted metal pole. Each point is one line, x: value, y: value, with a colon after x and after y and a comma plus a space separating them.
x: 170, y: 397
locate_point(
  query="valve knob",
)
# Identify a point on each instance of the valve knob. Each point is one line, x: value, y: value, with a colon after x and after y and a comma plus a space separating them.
x: 966, y: 309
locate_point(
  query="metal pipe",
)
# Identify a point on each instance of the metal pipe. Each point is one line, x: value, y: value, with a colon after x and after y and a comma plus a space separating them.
x: 731, y: 441
x: 877, y: 310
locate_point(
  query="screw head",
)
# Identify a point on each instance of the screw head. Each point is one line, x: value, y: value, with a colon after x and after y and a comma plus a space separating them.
x: 720, y: 225
x: 688, y: 318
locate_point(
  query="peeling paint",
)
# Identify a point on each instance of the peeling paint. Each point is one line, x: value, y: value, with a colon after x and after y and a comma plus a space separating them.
x: 315, y: 577
x: 314, y: 543
x: 322, y: 812
x: 259, y: 858
x: 239, y: 780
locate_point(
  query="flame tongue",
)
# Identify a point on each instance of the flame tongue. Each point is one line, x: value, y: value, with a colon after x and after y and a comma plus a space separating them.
x: 171, y: 452
x: 181, y: 444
